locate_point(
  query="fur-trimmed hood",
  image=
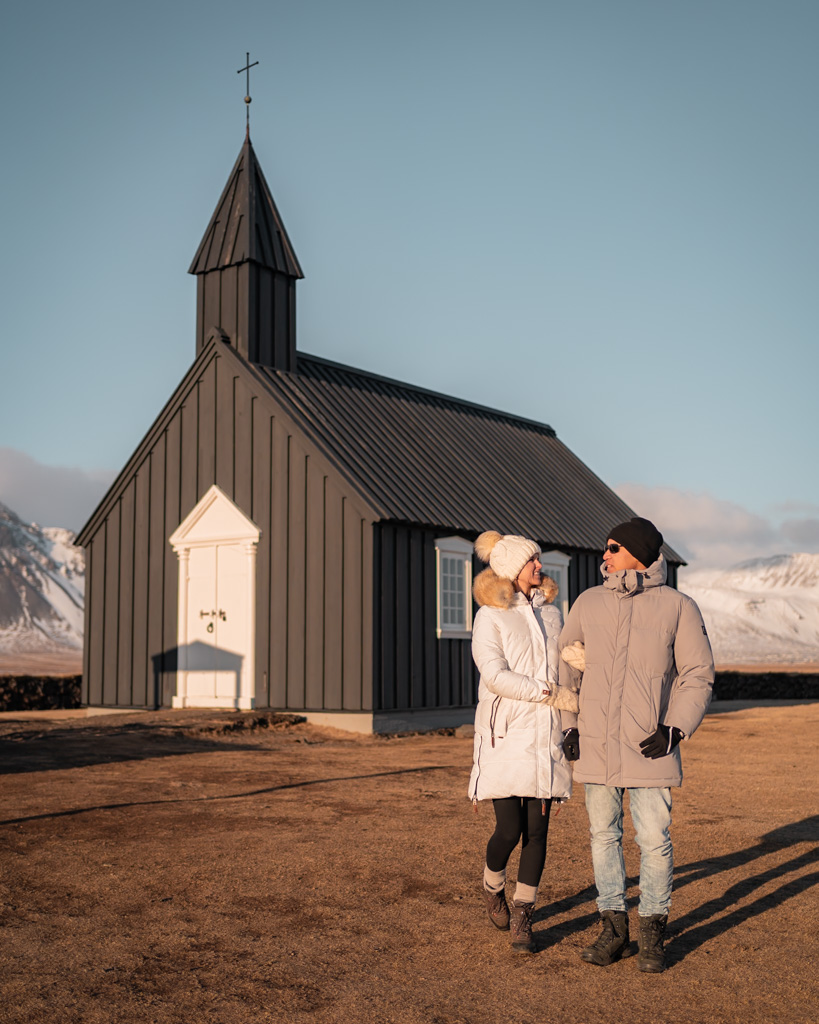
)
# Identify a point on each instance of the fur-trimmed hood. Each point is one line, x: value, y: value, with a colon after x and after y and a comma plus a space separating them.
x: 492, y: 591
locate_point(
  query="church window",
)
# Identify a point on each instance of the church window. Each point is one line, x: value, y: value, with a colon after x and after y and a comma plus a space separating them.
x: 453, y: 558
x: 556, y: 565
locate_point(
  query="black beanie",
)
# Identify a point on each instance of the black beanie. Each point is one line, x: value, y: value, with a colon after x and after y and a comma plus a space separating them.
x: 641, y: 537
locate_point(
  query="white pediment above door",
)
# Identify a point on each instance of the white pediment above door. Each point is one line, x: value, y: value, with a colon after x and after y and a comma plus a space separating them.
x: 215, y: 519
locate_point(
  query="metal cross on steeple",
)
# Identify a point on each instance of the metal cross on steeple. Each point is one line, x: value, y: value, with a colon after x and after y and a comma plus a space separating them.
x: 246, y: 69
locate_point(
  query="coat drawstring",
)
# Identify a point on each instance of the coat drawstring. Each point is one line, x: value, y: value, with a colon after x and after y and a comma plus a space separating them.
x: 492, y: 716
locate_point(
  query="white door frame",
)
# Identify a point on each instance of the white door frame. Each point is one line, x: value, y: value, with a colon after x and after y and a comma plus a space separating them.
x: 213, y: 521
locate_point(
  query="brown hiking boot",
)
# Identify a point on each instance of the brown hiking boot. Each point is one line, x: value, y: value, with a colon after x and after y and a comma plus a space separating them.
x: 612, y: 943
x: 651, y: 958
x: 497, y: 908
x: 521, y: 927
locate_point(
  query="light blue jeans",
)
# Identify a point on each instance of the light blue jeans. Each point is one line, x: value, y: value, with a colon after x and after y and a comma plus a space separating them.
x: 651, y: 816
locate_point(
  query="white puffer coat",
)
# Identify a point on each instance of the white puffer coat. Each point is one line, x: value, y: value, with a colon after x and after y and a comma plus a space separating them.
x: 518, y: 737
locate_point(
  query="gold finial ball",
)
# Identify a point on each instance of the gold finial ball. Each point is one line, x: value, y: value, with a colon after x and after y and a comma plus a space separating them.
x: 247, y: 99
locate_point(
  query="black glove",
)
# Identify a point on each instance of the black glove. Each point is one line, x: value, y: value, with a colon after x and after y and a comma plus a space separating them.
x: 571, y: 744
x: 656, y: 745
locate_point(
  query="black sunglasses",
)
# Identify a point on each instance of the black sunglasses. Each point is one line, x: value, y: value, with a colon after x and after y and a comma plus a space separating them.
x: 613, y: 548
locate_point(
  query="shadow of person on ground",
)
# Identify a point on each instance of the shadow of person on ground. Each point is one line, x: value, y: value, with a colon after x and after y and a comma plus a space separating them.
x: 697, y: 927
x: 215, y: 797
x: 545, y: 938
x: 700, y: 925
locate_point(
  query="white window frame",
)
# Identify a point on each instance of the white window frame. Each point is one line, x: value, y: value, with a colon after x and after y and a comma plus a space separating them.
x: 461, y: 549
x: 556, y: 565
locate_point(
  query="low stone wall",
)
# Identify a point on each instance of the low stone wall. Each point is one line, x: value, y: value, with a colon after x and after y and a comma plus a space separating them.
x: 45, y: 693
x: 766, y: 686
x: 39, y: 693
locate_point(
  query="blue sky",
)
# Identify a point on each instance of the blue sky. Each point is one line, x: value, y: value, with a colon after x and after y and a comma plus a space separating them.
x: 601, y: 215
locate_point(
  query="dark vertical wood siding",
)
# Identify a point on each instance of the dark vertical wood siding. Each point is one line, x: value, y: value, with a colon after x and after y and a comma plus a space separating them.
x: 110, y: 630
x: 314, y: 560
x: 171, y: 495
x: 225, y: 438
x: 331, y: 594
x: 259, y: 454
x: 141, y: 672
x: 415, y: 670
x: 322, y: 586
x: 160, y: 456
x: 125, y: 639
x: 314, y: 609
x: 354, y: 611
x: 584, y: 572
x: 279, y: 570
x: 255, y: 306
x: 95, y: 618
x: 296, y: 601
x: 87, y: 619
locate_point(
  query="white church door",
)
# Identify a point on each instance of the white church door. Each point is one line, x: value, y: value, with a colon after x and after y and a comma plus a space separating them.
x: 216, y: 545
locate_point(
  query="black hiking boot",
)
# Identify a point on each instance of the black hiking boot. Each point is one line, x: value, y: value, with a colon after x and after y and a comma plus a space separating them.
x: 497, y: 908
x: 521, y: 927
x: 651, y: 958
x: 612, y: 943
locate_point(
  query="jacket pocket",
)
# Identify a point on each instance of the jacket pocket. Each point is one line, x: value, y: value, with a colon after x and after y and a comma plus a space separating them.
x: 640, y: 715
x: 591, y: 721
x: 499, y: 719
x: 492, y: 719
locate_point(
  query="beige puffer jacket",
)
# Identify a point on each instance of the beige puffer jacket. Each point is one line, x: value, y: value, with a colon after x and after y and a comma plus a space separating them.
x: 518, y: 738
x: 648, y: 662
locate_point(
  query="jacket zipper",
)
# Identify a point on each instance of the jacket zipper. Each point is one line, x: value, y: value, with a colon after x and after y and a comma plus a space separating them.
x: 544, y: 641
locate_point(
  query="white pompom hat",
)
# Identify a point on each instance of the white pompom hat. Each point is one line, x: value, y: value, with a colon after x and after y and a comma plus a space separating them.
x: 506, y: 555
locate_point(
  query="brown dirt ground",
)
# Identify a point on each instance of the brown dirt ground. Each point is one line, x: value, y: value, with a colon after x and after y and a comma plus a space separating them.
x: 155, y: 871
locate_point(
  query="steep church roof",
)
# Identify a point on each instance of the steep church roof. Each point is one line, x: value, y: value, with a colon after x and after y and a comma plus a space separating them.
x: 246, y: 225
x: 422, y: 457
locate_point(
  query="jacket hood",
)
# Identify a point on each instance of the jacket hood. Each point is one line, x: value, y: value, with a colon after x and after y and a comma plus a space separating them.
x: 492, y: 591
x: 632, y: 581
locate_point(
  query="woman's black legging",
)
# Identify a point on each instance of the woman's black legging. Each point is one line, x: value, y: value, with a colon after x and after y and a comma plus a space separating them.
x: 517, y: 816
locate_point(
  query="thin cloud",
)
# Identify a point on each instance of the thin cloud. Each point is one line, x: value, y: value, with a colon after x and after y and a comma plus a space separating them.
x: 710, y: 532
x: 804, y: 533
x: 50, y: 495
x: 795, y: 508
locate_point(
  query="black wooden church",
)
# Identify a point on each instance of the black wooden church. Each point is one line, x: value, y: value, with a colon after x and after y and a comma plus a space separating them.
x: 296, y: 534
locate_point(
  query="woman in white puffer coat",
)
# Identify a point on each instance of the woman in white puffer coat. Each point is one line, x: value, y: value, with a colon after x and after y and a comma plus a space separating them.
x: 518, y: 759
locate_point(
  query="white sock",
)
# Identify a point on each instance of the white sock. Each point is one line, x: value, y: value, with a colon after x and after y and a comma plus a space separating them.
x: 494, y: 881
x: 525, y: 893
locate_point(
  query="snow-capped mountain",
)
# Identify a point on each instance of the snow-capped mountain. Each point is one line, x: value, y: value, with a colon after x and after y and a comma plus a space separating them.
x: 762, y: 611
x: 42, y: 587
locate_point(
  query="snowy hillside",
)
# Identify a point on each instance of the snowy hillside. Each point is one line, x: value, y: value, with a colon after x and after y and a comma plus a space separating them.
x: 762, y: 611
x: 42, y: 586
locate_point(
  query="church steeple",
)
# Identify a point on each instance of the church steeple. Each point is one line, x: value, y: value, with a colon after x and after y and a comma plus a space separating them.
x: 247, y: 271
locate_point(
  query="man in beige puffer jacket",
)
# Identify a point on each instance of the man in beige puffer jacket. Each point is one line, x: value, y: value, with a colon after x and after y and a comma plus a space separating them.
x: 646, y: 685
